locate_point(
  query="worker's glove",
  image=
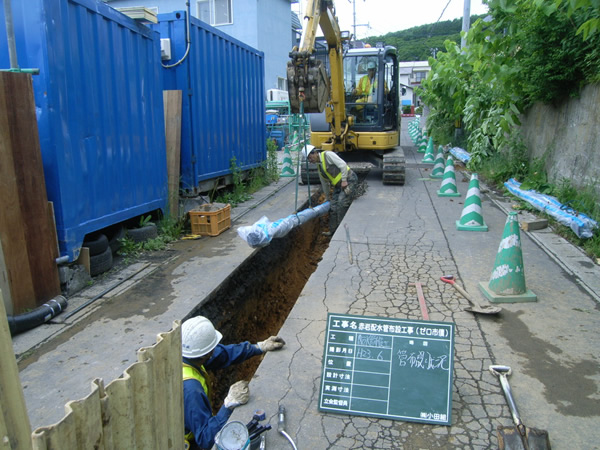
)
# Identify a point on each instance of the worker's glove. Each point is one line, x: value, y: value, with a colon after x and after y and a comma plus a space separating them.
x: 273, y: 343
x: 347, y: 190
x: 239, y: 394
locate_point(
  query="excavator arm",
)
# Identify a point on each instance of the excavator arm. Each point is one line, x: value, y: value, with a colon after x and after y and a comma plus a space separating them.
x: 310, y: 88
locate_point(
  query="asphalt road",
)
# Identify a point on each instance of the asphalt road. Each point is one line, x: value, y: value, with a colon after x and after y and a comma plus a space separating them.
x: 396, y: 235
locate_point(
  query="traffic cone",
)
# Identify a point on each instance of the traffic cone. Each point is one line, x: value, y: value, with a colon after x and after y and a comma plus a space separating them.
x: 471, y: 218
x: 438, y: 168
x: 507, y: 283
x: 448, y: 187
x: 288, y: 167
x: 417, y: 139
x: 428, y: 157
x: 423, y: 144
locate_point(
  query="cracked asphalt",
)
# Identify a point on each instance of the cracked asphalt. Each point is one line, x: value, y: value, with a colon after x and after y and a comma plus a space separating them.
x: 402, y: 235
x: 398, y: 235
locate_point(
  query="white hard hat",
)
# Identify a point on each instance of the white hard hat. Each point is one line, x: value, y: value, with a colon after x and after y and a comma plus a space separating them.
x: 308, y: 150
x: 371, y: 65
x: 198, y: 337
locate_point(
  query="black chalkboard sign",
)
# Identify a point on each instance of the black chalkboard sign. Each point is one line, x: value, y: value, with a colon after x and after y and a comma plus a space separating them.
x: 390, y: 368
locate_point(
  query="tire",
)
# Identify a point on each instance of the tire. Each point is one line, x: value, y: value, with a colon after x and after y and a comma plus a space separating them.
x: 143, y: 234
x: 97, y: 243
x: 113, y: 242
x: 101, y: 263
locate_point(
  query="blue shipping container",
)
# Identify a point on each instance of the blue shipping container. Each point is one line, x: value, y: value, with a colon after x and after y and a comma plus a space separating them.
x: 99, y: 108
x: 223, y: 112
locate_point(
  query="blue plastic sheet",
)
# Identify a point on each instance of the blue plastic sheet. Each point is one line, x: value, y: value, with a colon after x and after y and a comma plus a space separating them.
x: 582, y: 225
x: 461, y: 154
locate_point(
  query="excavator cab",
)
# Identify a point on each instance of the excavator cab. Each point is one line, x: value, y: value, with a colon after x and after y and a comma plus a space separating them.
x: 357, y: 88
x: 370, y: 80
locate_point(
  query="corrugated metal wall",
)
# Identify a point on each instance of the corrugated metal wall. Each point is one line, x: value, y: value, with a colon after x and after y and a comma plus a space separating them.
x: 99, y: 109
x: 223, y: 104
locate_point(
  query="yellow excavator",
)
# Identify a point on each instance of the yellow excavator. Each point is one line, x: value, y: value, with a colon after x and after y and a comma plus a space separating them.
x: 359, y: 93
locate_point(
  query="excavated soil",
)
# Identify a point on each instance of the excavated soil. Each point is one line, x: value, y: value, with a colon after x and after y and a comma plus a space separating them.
x: 255, y: 301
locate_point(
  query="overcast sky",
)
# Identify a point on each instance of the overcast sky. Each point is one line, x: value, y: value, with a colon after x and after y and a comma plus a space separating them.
x: 385, y: 16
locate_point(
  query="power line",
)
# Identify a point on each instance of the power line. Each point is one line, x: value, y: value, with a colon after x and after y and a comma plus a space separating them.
x: 443, y: 11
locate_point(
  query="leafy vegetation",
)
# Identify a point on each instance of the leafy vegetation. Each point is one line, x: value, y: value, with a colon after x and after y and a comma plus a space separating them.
x: 531, y: 50
x: 169, y: 230
x: 246, y: 184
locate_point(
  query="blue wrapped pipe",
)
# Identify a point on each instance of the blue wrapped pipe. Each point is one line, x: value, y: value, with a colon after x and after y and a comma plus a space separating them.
x: 262, y: 232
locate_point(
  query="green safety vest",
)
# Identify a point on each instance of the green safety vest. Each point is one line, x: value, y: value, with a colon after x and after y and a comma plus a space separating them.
x: 201, y: 375
x: 334, y: 180
x: 365, y: 85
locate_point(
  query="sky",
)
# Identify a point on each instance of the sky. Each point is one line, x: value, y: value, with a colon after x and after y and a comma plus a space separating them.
x: 385, y: 16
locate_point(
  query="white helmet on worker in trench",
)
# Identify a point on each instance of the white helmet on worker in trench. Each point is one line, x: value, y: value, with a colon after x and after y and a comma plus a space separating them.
x: 198, y: 337
x: 308, y: 150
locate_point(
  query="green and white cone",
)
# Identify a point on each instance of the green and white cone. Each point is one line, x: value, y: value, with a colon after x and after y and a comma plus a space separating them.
x: 417, y: 139
x: 428, y: 158
x: 471, y: 218
x: 423, y: 145
x: 438, y: 168
x: 448, y: 187
x: 507, y: 283
x: 288, y: 166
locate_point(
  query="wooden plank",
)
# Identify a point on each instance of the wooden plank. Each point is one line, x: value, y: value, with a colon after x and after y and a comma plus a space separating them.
x: 28, y: 236
x: 172, y: 101
x: 15, y: 429
x: 534, y: 224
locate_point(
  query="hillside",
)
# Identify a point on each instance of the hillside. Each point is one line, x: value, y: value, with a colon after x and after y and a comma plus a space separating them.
x: 418, y: 43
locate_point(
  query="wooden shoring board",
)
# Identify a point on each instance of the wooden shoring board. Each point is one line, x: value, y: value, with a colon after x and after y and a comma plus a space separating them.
x: 172, y: 101
x: 28, y: 235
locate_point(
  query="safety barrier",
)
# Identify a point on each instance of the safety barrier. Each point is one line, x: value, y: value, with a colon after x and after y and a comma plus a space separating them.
x: 141, y: 409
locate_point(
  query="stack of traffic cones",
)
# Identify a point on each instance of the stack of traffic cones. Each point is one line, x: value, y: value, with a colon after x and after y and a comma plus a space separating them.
x: 413, y: 130
x: 507, y: 283
x: 448, y: 187
x: 288, y: 166
x: 472, y: 217
x: 423, y: 145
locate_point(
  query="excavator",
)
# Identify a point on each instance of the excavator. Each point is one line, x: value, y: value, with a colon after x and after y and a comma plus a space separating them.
x: 358, y: 126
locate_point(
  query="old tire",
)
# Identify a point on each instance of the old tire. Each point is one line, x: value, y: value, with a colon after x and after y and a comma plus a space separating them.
x: 143, y: 234
x: 101, y: 263
x: 113, y: 241
x: 97, y: 243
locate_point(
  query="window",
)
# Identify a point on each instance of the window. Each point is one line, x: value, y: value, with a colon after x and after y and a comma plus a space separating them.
x: 282, y: 84
x: 419, y: 77
x: 215, y: 12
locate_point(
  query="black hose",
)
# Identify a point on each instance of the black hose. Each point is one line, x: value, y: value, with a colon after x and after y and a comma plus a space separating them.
x: 40, y: 315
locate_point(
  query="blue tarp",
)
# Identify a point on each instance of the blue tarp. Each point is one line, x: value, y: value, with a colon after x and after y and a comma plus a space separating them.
x: 581, y: 224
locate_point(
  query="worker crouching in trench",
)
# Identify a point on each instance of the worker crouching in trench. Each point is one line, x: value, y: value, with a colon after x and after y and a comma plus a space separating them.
x: 338, y: 181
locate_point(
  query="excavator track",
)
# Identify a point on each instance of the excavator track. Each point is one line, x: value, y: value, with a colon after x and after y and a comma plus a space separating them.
x: 394, y: 167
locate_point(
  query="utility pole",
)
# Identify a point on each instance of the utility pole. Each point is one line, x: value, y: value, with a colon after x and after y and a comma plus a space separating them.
x: 466, y: 21
x: 354, y: 24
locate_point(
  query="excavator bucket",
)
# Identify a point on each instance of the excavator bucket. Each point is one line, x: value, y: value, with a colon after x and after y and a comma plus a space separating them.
x: 307, y: 81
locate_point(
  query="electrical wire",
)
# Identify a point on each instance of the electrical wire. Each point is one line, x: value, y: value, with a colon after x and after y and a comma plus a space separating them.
x: 443, y: 11
x: 188, y: 40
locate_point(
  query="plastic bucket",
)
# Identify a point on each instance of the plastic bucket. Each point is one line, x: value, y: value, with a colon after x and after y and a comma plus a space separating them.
x: 233, y: 436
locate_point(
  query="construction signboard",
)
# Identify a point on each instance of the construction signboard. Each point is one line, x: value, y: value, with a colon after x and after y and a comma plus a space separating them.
x: 390, y: 368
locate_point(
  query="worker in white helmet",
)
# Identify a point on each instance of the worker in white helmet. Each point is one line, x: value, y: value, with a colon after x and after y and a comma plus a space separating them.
x: 201, y: 353
x: 338, y: 182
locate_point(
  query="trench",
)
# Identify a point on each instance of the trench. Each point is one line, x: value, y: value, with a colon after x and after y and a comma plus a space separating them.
x: 255, y: 301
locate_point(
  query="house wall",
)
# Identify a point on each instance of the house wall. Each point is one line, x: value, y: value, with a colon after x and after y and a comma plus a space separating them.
x: 263, y: 24
x: 275, y: 23
x: 568, y: 137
